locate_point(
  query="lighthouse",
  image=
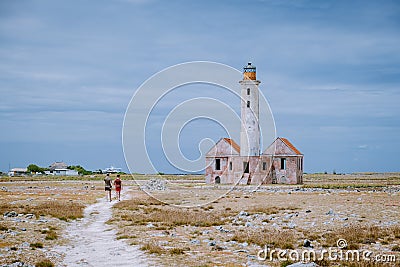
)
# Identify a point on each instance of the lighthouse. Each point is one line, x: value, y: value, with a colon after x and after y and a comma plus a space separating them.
x: 227, y: 162
x: 250, y: 130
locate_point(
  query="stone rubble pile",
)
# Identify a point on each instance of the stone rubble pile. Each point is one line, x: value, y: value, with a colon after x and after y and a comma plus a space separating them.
x: 155, y: 184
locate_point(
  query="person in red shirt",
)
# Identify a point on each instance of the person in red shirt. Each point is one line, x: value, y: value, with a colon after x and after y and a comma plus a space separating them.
x: 118, y: 186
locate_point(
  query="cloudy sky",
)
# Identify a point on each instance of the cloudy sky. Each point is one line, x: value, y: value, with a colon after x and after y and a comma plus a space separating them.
x: 329, y: 69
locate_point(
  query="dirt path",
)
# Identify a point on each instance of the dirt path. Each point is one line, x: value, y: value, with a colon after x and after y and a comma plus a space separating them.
x: 93, y: 243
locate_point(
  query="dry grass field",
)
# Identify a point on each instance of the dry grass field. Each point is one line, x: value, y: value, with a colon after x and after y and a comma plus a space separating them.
x: 226, y: 227
x: 34, y: 214
x: 363, y: 209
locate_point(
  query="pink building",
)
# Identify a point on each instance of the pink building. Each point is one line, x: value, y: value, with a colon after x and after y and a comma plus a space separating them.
x: 229, y: 163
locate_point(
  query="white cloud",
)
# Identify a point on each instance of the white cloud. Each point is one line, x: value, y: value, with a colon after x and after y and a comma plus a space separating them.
x: 363, y: 146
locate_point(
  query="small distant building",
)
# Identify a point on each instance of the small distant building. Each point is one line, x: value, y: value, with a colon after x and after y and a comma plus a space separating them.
x: 111, y: 170
x: 62, y: 172
x: 18, y: 172
x: 58, y: 165
x: 60, y: 169
x: 229, y: 163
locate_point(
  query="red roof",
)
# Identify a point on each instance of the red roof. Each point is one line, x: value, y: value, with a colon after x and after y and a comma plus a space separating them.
x: 290, y: 145
x: 233, y: 144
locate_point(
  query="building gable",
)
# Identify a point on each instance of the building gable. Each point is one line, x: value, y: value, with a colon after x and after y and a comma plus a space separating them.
x: 291, y: 146
x: 58, y: 165
x: 224, y: 147
x: 282, y: 146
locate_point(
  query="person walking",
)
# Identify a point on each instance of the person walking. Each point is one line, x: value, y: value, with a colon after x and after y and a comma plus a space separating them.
x: 108, y: 185
x: 118, y: 187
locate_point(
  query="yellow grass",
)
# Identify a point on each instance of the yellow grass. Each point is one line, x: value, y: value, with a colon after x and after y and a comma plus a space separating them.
x: 284, y: 239
x: 361, y: 234
x: 153, y: 248
x: 63, y: 210
x: 170, y: 216
x: 134, y: 204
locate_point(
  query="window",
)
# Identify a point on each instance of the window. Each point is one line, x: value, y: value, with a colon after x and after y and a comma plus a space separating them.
x: 264, y: 166
x: 248, y: 104
x: 299, y: 163
x: 248, y: 91
x: 283, y: 164
x: 217, y: 164
x: 246, y: 167
x: 230, y: 165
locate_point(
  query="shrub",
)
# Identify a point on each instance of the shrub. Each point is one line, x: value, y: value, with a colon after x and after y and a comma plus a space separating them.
x: 44, y: 263
x: 176, y: 251
x: 51, y: 235
x: 153, y: 248
x: 123, y: 237
x: 36, y: 245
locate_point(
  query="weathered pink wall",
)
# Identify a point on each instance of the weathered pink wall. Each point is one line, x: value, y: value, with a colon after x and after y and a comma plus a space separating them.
x: 223, y: 150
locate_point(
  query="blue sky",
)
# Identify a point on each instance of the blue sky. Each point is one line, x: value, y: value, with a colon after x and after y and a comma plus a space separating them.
x: 329, y: 69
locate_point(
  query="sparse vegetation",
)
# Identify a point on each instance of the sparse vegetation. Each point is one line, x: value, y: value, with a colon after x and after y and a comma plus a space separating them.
x: 134, y: 204
x: 360, y: 264
x: 359, y: 234
x: 3, y: 227
x: 272, y: 217
x: 284, y: 239
x: 150, y: 210
x: 266, y: 209
x: 51, y: 235
x: 153, y: 248
x: 44, y: 263
x: 124, y: 237
x: 343, y: 186
x: 170, y: 216
x: 176, y: 251
x: 355, y: 180
x: 36, y: 245
x: 63, y: 210
x: 24, y: 236
x: 396, y: 248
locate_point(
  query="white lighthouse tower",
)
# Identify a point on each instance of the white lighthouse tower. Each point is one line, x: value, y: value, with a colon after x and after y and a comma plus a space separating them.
x: 250, y: 130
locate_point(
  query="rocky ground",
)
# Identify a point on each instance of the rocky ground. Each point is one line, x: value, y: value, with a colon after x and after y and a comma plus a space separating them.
x: 239, y: 224
x: 196, y: 224
x: 34, y: 215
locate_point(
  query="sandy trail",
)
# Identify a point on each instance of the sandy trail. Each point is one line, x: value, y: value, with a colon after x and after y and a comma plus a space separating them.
x: 94, y: 243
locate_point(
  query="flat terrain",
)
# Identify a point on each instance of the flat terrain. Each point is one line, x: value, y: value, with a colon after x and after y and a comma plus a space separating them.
x: 221, y: 225
x: 34, y: 214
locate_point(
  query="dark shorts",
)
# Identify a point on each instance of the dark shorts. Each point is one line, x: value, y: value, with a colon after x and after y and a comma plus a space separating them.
x: 107, y: 188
